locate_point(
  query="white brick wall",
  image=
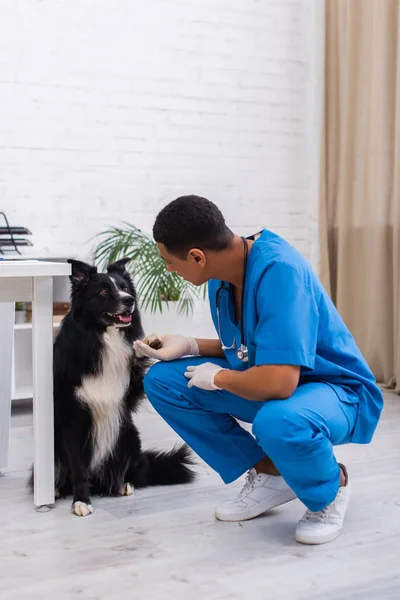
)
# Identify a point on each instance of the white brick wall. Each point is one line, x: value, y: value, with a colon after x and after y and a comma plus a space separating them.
x: 111, y: 108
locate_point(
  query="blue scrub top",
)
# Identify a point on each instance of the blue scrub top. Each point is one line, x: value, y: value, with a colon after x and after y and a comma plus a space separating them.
x: 290, y: 319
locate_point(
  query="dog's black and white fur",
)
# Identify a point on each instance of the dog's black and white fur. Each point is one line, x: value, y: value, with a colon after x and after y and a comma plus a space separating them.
x: 98, y: 384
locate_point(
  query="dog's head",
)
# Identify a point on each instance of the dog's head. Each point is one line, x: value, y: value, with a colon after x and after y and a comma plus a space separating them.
x: 108, y: 299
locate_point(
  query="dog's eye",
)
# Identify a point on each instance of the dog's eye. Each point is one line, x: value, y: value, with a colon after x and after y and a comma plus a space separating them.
x: 104, y: 292
x: 125, y: 289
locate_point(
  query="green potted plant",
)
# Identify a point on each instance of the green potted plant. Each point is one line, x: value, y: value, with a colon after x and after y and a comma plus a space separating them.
x: 156, y: 287
x: 20, y: 315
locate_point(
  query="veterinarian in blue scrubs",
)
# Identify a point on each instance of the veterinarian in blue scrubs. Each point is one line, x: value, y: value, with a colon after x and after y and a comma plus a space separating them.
x: 284, y: 361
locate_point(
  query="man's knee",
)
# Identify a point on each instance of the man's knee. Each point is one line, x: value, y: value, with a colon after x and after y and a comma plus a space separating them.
x: 159, y: 375
x: 165, y: 382
x: 277, y: 427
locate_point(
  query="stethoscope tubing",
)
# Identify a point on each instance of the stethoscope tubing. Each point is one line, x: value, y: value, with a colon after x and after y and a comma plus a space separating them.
x: 242, y: 352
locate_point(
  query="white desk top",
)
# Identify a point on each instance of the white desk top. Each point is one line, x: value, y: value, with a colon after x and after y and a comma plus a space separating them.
x: 33, y: 268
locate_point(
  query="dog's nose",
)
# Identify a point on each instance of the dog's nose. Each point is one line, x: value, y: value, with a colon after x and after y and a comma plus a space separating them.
x: 128, y: 301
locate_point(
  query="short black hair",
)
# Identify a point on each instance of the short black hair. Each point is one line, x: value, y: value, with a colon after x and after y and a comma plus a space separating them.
x: 191, y: 222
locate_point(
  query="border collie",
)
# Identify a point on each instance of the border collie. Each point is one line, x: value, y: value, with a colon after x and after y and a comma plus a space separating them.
x: 98, y: 385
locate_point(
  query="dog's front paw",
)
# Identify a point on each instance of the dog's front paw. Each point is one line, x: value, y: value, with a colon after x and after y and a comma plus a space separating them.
x: 153, y: 341
x: 81, y: 509
x: 126, y: 489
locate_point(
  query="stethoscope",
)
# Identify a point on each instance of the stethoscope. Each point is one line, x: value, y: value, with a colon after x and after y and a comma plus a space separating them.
x: 242, y: 352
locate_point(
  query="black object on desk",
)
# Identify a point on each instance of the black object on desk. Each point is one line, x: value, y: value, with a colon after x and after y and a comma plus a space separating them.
x: 8, y: 241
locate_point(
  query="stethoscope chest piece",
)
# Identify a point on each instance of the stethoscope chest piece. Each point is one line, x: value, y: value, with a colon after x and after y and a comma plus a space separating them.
x: 243, y: 353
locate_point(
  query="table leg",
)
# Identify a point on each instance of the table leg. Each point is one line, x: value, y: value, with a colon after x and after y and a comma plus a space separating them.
x: 43, y: 410
x: 6, y: 353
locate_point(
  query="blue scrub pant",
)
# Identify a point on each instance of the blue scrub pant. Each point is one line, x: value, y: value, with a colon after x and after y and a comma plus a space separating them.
x: 298, y: 434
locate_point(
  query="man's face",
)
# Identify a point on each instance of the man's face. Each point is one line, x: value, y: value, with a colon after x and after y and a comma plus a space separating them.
x: 192, y: 268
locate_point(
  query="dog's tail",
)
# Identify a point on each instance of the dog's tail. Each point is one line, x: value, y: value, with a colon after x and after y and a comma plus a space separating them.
x: 163, y: 468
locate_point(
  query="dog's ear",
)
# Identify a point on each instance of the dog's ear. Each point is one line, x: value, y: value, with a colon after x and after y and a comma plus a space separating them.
x: 118, y: 266
x: 81, y: 272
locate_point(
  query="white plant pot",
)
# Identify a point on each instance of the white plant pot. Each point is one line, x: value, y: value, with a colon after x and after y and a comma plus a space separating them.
x: 196, y: 324
x: 20, y: 317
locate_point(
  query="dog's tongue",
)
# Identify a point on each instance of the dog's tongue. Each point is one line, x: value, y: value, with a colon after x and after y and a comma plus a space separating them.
x: 125, y: 318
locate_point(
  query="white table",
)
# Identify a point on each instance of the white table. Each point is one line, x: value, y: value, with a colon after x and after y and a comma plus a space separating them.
x: 23, y: 281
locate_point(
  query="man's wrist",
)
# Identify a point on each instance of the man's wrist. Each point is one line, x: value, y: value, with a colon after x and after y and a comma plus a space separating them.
x: 194, y: 347
x: 219, y: 379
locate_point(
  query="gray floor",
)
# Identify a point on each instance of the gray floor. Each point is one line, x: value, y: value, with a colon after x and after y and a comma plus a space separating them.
x: 163, y: 543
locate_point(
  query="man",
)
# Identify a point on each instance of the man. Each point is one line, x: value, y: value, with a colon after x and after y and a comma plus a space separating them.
x: 284, y: 361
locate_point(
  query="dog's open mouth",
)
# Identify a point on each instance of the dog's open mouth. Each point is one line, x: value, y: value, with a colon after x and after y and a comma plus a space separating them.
x: 124, y: 318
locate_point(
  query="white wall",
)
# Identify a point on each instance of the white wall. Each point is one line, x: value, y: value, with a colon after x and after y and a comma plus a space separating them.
x: 111, y: 108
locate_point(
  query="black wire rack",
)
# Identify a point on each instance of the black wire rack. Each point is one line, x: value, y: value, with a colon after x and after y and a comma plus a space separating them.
x: 8, y: 240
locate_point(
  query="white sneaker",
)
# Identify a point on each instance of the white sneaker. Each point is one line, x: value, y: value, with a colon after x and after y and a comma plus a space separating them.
x: 260, y: 493
x: 326, y: 524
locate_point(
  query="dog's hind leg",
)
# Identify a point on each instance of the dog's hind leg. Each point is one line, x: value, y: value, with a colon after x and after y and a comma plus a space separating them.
x: 126, y: 489
x: 113, y: 478
x: 129, y: 449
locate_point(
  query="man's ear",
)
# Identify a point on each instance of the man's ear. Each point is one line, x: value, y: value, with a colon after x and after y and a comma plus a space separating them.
x: 197, y: 256
x: 118, y: 266
x: 81, y: 272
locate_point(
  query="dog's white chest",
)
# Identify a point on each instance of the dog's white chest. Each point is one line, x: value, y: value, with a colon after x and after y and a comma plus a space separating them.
x: 103, y: 393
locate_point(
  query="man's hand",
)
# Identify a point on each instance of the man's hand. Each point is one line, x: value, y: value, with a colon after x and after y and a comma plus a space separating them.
x: 171, y: 346
x: 203, y: 376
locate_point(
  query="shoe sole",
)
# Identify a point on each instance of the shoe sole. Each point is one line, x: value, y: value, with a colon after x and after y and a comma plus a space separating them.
x: 309, y: 541
x: 258, y: 510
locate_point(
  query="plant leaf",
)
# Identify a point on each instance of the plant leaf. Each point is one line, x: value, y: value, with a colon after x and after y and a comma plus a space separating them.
x: 154, y: 282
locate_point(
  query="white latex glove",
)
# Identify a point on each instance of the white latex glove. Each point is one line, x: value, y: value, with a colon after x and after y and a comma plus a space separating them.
x: 203, y: 375
x: 173, y: 346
